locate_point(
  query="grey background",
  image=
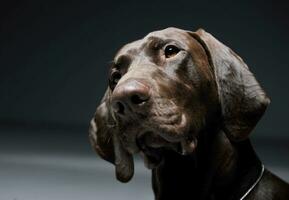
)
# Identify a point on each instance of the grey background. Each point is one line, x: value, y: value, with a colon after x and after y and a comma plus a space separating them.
x: 53, y: 71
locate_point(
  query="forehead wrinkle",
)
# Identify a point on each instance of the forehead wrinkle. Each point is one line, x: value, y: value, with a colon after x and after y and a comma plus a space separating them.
x: 151, y: 42
x: 152, y: 38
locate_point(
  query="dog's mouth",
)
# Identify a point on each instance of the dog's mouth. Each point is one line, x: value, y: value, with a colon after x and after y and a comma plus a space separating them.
x: 154, y: 132
x: 151, y: 148
x: 164, y: 127
x: 158, y: 135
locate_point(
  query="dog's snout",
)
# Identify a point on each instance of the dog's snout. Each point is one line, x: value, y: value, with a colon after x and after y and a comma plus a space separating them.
x: 130, y: 96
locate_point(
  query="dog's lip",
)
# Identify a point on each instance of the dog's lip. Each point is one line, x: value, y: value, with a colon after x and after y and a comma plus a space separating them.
x: 154, y: 134
x: 174, y: 132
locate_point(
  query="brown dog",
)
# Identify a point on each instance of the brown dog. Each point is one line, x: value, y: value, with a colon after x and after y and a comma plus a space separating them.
x: 187, y: 103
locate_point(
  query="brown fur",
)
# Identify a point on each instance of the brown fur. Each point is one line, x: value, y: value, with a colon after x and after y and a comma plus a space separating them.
x: 190, y: 118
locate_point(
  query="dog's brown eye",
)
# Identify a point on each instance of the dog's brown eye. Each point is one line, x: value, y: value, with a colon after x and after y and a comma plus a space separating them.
x: 171, y: 51
x: 114, y: 78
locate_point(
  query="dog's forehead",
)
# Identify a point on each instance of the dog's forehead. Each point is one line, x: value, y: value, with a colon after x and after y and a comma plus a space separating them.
x: 168, y: 33
x: 165, y: 34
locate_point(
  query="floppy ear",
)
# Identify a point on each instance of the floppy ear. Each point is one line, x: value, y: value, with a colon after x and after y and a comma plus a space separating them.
x: 242, y: 99
x: 103, y: 135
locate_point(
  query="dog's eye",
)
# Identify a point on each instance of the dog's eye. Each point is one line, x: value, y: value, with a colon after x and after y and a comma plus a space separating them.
x: 114, y: 78
x: 171, y: 51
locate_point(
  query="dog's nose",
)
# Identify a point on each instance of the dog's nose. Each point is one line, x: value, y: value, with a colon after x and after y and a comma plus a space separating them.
x: 130, y: 96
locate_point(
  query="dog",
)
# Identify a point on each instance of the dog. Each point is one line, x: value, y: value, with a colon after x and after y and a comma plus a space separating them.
x: 187, y: 104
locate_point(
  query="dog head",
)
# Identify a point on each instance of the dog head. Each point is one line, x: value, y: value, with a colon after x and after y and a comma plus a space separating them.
x: 165, y: 89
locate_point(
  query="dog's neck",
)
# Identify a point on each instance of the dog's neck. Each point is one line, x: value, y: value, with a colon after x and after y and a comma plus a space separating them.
x: 223, y: 169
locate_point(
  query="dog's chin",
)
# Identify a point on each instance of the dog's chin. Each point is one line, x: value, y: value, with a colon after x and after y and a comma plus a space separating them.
x: 152, y: 148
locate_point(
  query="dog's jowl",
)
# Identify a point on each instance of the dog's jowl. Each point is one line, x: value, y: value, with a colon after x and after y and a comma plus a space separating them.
x: 187, y: 104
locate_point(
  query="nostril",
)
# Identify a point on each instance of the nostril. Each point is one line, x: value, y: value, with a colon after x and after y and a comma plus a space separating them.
x: 137, y: 99
x: 118, y: 107
x: 129, y: 96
